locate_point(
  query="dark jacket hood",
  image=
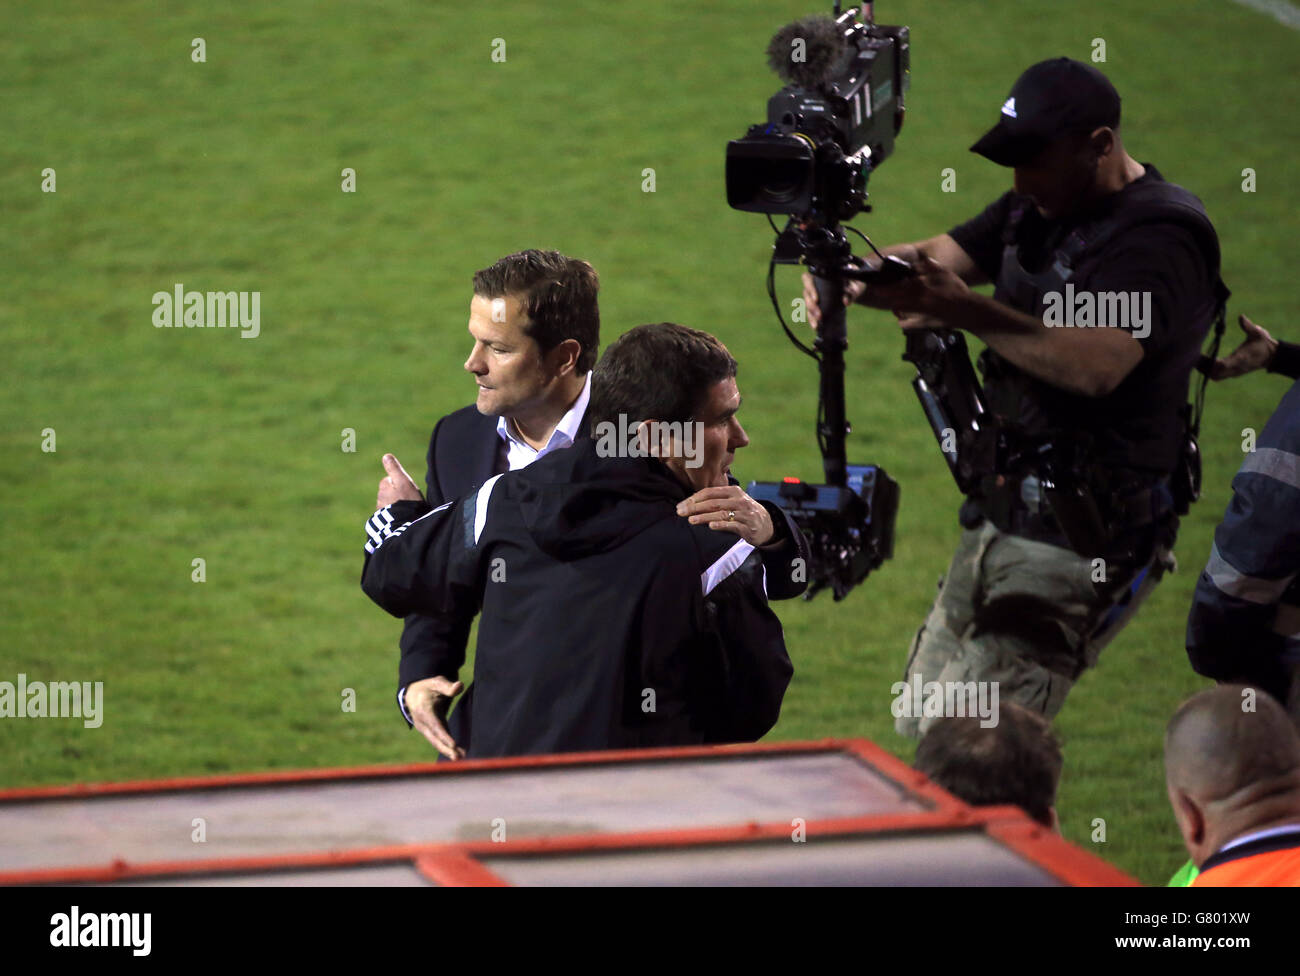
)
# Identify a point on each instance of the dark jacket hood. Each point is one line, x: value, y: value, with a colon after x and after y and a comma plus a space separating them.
x: 575, y: 503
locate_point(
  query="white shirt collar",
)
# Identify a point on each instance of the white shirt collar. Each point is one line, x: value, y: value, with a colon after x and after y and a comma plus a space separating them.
x: 566, y: 431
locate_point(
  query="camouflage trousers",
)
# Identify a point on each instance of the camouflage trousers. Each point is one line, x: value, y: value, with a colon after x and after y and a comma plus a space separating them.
x: 1027, y: 615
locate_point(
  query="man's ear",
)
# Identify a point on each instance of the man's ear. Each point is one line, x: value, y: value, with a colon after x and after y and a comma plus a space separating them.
x: 1190, y: 817
x: 563, y: 359
x: 644, y: 441
x: 1102, y: 141
x: 656, y: 440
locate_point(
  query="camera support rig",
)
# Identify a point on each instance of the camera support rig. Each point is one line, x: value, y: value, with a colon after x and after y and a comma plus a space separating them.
x: 849, y: 521
x: 832, y: 123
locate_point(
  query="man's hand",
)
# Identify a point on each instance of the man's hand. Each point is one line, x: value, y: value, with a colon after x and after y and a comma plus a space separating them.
x: 852, y: 289
x: 942, y: 248
x: 930, y: 300
x: 1254, y: 353
x: 711, y: 506
x: 398, y: 486
x: 427, y: 702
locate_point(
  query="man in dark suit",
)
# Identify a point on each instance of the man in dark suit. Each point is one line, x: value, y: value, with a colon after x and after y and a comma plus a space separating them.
x: 535, y: 323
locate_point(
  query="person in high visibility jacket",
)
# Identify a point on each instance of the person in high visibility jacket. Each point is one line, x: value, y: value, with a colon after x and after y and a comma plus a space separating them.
x: 1232, y: 769
x: 1244, y: 624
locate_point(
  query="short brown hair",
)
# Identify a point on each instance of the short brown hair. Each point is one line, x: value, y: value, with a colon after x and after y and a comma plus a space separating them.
x: 558, y: 295
x: 1017, y: 761
x: 657, y: 372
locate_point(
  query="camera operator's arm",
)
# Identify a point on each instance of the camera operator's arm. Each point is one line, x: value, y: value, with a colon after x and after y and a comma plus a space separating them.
x: 1159, y: 261
x: 943, y: 250
x: 1088, y: 361
x: 1092, y: 362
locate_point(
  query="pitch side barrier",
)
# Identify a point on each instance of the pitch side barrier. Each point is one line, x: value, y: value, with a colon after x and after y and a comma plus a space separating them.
x: 837, y: 811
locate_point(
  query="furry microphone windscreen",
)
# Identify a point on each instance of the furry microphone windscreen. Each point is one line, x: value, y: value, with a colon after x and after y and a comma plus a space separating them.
x: 812, y: 62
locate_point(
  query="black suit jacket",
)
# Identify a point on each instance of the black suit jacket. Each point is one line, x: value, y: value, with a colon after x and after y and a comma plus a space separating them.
x: 463, y: 453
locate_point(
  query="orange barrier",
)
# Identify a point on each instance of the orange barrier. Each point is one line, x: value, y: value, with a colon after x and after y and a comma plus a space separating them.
x: 829, y: 812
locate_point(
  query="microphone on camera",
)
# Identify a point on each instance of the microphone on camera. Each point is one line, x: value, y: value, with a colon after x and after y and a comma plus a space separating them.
x: 807, y: 52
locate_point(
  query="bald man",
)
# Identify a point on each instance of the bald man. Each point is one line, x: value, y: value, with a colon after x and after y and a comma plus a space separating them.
x: 1232, y: 768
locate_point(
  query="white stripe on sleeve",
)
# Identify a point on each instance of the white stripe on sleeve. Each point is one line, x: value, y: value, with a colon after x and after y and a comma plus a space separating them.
x: 481, y: 505
x: 1274, y: 463
x: 1252, y: 589
x: 724, y: 567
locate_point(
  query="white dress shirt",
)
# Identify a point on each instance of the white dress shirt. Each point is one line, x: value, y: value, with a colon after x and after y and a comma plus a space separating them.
x: 520, y: 454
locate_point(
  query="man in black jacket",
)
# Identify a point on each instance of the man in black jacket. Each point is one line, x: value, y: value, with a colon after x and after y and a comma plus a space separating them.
x: 608, y: 619
x: 535, y: 323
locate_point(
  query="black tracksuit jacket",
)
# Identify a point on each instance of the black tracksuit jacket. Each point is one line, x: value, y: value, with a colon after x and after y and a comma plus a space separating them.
x: 607, y: 621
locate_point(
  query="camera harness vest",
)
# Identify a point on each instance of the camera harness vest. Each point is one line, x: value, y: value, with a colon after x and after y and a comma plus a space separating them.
x: 1154, y: 200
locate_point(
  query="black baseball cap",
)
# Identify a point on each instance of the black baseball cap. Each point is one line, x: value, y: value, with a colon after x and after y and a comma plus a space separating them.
x: 1049, y: 100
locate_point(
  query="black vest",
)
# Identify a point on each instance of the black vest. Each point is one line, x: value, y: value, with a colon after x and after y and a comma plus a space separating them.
x: 1151, y: 201
x: 1038, y: 410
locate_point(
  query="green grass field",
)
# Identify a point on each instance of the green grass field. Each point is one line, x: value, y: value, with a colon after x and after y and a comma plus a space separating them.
x: 176, y: 444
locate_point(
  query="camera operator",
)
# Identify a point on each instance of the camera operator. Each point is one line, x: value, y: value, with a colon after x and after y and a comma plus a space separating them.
x: 1019, y: 605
